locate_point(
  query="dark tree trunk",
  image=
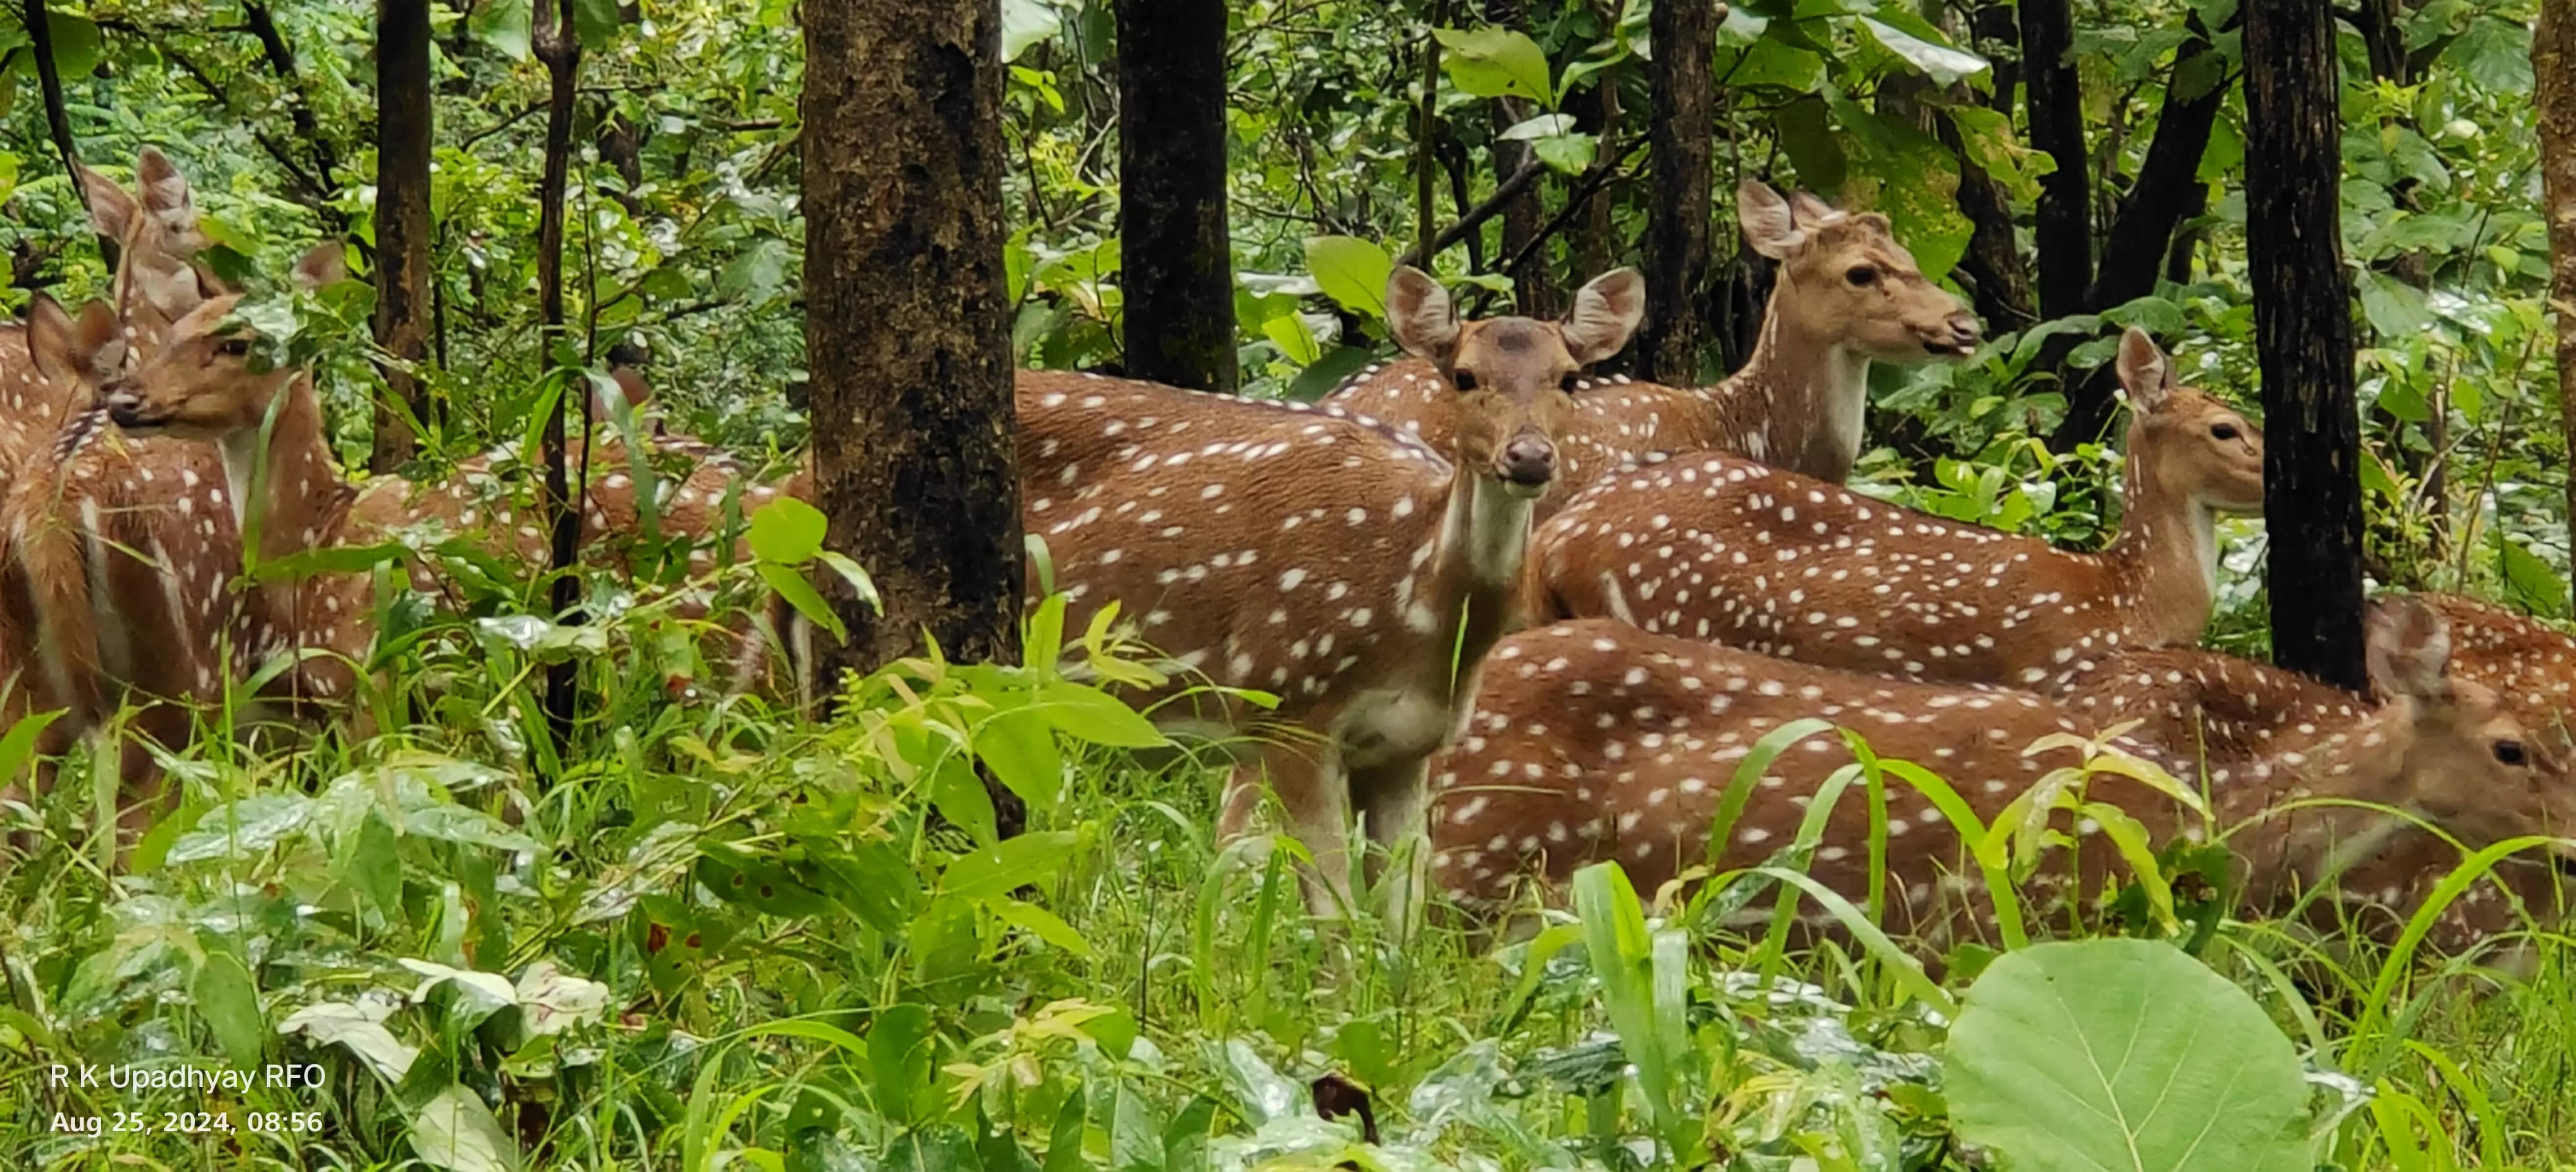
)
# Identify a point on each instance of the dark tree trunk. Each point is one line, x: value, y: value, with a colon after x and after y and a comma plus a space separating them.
x: 58, y: 121
x: 1999, y: 278
x: 2168, y: 191
x: 2553, y: 62
x: 1534, y: 291
x: 2304, y: 336
x: 403, y: 129
x: 1179, y: 271
x: 1684, y: 33
x: 560, y: 49
x: 2055, y: 110
x: 906, y: 328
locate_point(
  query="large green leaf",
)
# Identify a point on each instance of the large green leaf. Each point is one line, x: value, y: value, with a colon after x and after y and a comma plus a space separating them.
x: 230, y: 1004
x: 455, y: 1131
x: 2494, y: 53
x: 2528, y: 580
x: 1026, y: 23
x: 2123, y: 1054
x: 1496, y: 63
x: 1945, y: 64
x: 1351, y: 271
x: 503, y: 26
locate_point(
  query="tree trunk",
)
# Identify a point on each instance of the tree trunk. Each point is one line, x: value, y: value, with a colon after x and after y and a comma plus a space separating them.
x: 2304, y: 338
x: 1534, y: 293
x: 559, y: 48
x: 1178, y: 264
x: 2553, y: 56
x: 2055, y: 108
x: 403, y: 129
x: 1683, y: 33
x: 2167, y: 192
x: 58, y: 122
x: 907, y: 332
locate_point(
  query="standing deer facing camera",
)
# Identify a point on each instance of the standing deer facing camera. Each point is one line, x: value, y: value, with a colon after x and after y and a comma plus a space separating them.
x: 1847, y: 295
x: 1725, y: 549
x: 1345, y: 566
x: 1593, y: 741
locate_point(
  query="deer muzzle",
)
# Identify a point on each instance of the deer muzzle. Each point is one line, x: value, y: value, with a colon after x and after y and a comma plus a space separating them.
x: 1528, y: 464
x: 1956, y: 336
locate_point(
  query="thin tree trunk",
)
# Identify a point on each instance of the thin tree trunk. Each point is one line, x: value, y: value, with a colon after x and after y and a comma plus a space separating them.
x: 906, y: 328
x: 560, y: 49
x: 2304, y: 339
x: 1426, y: 218
x: 1178, y: 265
x: 403, y: 130
x: 1684, y: 33
x: 2055, y: 110
x: 58, y: 121
x: 2553, y: 61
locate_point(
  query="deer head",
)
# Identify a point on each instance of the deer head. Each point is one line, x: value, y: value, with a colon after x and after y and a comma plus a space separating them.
x: 1514, y: 374
x: 198, y: 382
x: 157, y: 233
x: 2468, y: 763
x: 2204, y: 451
x: 1855, y: 285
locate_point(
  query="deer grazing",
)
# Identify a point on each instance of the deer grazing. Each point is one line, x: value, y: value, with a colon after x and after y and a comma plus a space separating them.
x: 1593, y: 741
x: 1340, y: 564
x: 1847, y: 294
x: 1726, y: 549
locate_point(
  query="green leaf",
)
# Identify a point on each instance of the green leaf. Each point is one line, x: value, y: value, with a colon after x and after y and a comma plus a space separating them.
x: 2123, y: 1054
x: 2495, y: 54
x: 787, y: 531
x: 993, y: 872
x: 455, y: 1131
x: 329, y: 559
x: 1543, y: 126
x: 2529, y: 581
x: 801, y: 594
x: 1568, y: 154
x: 1352, y: 271
x: 1296, y: 343
x: 1325, y: 373
x: 229, y: 1002
x: 2395, y: 308
x: 374, y: 867
x: 900, y: 1052
x: 595, y: 22
x: 1944, y: 64
x: 1026, y: 23
x: 1986, y: 139
x: 1019, y: 745
x: 1496, y: 63
x: 758, y: 274
x: 1810, y: 143
x: 504, y: 26
x: 1770, y: 63
x: 1089, y: 714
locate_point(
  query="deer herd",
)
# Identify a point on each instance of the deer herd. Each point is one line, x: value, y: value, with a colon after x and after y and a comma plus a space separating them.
x: 1541, y: 616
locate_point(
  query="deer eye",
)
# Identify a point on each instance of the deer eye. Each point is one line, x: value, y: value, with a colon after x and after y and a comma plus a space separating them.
x: 1464, y: 380
x: 233, y: 347
x: 1861, y: 275
x: 2511, y: 753
x: 1572, y: 380
x: 2224, y: 431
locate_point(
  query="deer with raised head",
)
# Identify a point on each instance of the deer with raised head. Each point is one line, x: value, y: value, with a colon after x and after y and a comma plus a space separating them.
x: 1727, y: 549
x: 1593, y: 741
x: 1345, y: 566
x: 1847, y: 295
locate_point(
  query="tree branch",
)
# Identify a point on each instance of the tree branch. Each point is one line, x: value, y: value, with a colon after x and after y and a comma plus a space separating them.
x: 1509, y: 189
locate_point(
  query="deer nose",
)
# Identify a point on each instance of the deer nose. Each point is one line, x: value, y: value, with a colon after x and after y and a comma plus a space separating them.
x: 1529, y: 461
x: 1966, y: 330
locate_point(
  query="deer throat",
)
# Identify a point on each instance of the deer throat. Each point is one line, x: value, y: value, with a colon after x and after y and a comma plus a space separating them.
x: 1484, y: 534
x: 240, y: 452
x: 1799, y: 403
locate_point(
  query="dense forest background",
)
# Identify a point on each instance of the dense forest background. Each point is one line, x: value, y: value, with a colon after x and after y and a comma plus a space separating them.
x: 638, y: 944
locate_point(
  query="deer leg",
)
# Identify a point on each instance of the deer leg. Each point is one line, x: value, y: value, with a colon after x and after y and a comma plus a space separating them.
x: 1315, y: 798
x: 1392, y: 800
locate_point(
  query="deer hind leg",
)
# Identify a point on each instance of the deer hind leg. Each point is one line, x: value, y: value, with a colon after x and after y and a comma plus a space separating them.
x: 1314, y: 795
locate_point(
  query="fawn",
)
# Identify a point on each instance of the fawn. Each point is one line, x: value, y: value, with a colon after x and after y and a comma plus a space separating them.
x: 1848, y: 294
x: 1347, y: 567
x: 1726, y: 549
x: 1594, y: 741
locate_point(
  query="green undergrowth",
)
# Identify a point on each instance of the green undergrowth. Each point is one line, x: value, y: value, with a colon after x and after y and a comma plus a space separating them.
x: 717, y: 935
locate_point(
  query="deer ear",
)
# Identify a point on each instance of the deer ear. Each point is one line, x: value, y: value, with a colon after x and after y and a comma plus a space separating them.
x: 1419, y: 314
x: 1769, y: 225
x: 98, y: 341
x: 2144, y: 370
x: 327, y: 264
x: 2409, y: 649
x: 112, y: 212
x: 49, y: 339
x: 164, y: 190
x: 1606, y: 311
x: 1815, y: 212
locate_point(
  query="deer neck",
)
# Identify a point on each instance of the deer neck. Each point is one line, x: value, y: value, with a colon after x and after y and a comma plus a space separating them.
x: 1801, y: 398
x: 301, y: 498
x: 2166, y: 557
x: 1476, y: 560
x: 2364, y: 760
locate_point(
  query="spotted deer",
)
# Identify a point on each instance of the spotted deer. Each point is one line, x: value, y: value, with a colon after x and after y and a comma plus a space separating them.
x: 1344, y: 566
x: 1592, y: 741
x: 1727, y: 549
x: 198, y: 383
x: 1847, y: 295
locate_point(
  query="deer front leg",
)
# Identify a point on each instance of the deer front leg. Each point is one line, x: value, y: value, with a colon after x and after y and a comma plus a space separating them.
x: 1392, y: 800
x: 1314, y: 795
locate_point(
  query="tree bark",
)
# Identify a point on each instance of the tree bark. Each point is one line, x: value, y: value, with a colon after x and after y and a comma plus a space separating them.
x: 1177, y: 260
x: 906, y: 328
x: 559, y: 48
x: 2553, y: 56
x: 2167, y: 191
x: 403, y: 131
x: 1534, y: 293
x: 58, y: 121
x: 1683, y: 33
x: 2303, y: 336
x: 2055, y: 110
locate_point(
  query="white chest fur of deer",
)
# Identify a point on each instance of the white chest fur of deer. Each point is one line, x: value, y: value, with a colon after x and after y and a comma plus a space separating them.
x: 1726, y: 549
x: 1347, y: 568
x: 1847, y: 294
x: 1592, y: 741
